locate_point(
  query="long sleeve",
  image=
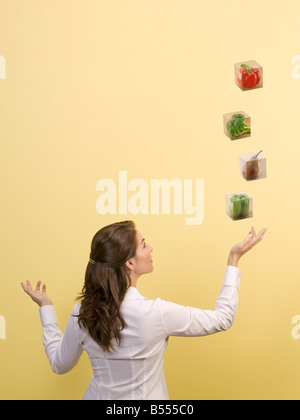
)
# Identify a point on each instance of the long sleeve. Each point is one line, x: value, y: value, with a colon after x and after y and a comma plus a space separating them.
x: 62, y: 350
x: 187, y: 321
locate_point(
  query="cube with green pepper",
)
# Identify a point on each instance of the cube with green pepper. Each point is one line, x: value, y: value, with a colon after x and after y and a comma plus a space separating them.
x: 239, y: 206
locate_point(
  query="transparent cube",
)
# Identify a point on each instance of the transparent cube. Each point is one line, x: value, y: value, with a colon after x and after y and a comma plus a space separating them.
x: 239, y: 205
x: 235, y: 129
x: 248, y: 75
x: 253, y: 166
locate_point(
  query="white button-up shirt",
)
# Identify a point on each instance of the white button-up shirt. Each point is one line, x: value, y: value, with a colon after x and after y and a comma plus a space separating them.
x: 135, y: 369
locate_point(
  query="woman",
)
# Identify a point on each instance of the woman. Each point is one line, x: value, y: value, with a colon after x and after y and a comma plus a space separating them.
x: 125, y: 334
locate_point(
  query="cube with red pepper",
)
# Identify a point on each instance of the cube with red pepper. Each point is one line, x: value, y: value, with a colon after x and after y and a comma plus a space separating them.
x: 248, y: 75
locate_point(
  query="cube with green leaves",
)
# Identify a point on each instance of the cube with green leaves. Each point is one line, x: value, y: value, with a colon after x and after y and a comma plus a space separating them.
x: 237, y: 125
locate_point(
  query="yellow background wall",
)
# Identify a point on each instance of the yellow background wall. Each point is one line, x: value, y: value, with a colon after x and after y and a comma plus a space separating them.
x: 94, y: 87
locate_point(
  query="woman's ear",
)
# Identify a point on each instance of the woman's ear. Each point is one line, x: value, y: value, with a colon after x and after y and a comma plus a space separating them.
x: 130, y: 264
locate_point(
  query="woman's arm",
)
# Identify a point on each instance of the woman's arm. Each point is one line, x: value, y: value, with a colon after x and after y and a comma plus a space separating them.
x: 62, y: 350
x: 186, y: 321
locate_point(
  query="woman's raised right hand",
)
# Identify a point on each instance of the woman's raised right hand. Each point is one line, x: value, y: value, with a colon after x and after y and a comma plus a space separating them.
x: 248, y: 243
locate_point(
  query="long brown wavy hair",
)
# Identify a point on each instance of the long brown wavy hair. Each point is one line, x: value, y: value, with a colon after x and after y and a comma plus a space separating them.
x: 106, y: 282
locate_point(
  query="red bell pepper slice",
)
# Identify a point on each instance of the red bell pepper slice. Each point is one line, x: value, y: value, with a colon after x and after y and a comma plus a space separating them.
x: 248, y: 76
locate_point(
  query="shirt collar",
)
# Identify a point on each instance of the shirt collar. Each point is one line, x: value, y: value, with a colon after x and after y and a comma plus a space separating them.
x: 133, y: 293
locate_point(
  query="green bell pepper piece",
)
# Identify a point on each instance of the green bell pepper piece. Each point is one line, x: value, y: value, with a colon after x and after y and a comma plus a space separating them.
x: 235, y: 206
x: 239, y: 206
x: 245, y: 201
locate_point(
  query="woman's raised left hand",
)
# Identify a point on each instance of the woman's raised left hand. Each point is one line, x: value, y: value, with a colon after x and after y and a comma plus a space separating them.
x: 36, y: 295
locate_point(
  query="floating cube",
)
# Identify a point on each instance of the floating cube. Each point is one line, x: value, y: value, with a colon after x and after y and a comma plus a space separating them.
x: 253, y: 166
x: 237, y: 125
x: 248, y: 75
x: 239, y: 205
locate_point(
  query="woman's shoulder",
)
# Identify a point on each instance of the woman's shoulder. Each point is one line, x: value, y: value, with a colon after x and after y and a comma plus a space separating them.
x: 76, y: 309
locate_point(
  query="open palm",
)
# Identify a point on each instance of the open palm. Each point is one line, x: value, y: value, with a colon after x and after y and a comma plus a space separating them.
x: 248, y: 243
x: 40, y: 297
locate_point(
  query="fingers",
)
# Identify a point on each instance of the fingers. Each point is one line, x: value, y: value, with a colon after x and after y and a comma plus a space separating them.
x: 37, y: 287
x: 24, y: 287
x: 249, y: 242
x: 260, y: 235
x: 44, y: 289
x: 36, y: 295
x: 254, y: 239
x: 28, y: 288
x: 262, y: 232
x: 248, y: 238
